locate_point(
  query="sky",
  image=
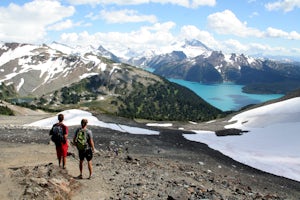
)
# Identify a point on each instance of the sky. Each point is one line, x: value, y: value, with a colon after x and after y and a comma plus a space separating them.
x: 271, y: 145
x: 267, y: 27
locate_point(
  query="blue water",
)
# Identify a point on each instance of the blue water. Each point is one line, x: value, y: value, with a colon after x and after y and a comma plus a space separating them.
x: 225, y: 96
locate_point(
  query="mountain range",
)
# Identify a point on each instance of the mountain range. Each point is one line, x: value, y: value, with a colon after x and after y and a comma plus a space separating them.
x: 56, y: 76
x: 192, y: 60
x: 189, y: 60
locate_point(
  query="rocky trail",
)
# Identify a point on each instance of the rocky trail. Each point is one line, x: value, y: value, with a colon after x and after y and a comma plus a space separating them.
x: 128, y: 166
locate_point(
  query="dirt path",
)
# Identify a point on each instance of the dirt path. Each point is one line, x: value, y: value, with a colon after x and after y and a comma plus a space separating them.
x: 17, y: 155
x: 20, y: 155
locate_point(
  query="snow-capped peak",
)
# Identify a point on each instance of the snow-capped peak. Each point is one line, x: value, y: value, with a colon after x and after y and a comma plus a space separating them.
x: 61, y: 47
x: 77, y: 50
x: 191, y: 48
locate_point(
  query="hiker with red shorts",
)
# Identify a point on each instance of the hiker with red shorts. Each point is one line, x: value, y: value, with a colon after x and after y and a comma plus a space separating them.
x: 59, y: 133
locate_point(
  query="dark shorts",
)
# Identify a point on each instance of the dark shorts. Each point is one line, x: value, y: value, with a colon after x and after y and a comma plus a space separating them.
x: 87, y: 154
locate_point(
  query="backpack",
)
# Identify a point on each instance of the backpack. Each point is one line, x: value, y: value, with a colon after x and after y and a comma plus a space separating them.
x: 57, y: 134
x: 81, y: 140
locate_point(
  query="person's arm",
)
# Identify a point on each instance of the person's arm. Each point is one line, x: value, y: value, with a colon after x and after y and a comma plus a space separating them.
x: 91, y: 141
x: 92, y: 144
x: 74, y: 138
x: 66, y: 133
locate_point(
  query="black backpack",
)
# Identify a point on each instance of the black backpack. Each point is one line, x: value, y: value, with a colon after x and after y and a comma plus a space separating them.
x: 57, y: 134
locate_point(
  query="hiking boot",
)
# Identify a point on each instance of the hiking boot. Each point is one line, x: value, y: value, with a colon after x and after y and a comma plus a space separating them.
x: 79, y: 177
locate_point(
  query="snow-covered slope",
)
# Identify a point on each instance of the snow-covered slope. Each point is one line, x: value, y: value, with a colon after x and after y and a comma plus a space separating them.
x: 189, y: 48
x: 272, y: 143
x: 82, y: 50
x: 198, y: 63
x: 38, y: 69
x: 282, y: 112
x: 74, y: 116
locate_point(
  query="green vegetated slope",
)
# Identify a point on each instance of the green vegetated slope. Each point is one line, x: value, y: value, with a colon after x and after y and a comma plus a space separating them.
x: 6, y: 92
x: 137, y: 95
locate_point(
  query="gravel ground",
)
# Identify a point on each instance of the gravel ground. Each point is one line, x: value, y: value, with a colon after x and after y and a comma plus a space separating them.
x: 127, y: 166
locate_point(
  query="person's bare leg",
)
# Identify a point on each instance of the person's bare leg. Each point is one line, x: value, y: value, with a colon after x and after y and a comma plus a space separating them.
x: 64, y: 162
x: 90, y: 166
x: 80, y: 166
x: 59, y: 161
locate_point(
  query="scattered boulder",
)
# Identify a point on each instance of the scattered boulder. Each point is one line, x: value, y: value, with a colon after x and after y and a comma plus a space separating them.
x: 230, y: 131
x: 45, y: 182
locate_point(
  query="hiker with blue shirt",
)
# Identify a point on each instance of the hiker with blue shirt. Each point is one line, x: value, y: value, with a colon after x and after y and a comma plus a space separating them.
x: 83, y: 139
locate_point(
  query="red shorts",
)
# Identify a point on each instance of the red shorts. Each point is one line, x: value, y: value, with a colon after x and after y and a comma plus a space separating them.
x: 62, y: 150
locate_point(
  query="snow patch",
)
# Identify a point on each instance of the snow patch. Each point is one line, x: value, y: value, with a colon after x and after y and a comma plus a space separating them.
x: 160, y: 124
x: 272, y: 143
x: 227, y: 58
x: 73, y: 117
x: 16, y: 53
x: 87, y: 75
x: 113, y: 70
x: 251, y: 60
x: 94, y: 59
x: 22, y: 81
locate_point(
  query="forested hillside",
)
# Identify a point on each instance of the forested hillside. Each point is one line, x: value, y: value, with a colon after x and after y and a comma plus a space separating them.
x: 161, y: 100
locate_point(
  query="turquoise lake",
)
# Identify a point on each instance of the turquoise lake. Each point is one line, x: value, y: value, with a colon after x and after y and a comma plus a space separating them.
x: 225, y: 96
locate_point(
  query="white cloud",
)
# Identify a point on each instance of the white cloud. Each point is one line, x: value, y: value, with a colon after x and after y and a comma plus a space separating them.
x: 31, y: 19
x: 197, y: 3
x: 257, y: 47
x: 63, y: 25
x: 285, y: 5
x: 294, y: 35
x: 272, y: 32
x: 159, y: 36
x: 184, y: 3
x: 227, y: 23
x: 118, y: 2
x: 192, y: 32
x: 277, y: 33
x: 147, y: 37
x: 125, y: 16
x: 267, y: 50
x: 232, y: 46
x: 235, y: 46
